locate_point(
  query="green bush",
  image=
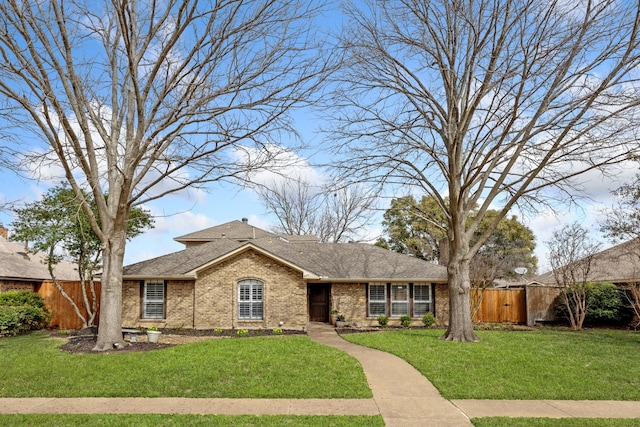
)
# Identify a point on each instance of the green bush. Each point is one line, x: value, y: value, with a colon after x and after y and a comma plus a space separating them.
x: 428, y: 319
x: 21, y: 311
x: 605, y: 305
x: 16, y: 298
x: 383, y: 320
x: 405, y: 320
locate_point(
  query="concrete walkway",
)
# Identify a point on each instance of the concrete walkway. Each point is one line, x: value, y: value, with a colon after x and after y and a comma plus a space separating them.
x: 400, y: 394
x: 403, y: 396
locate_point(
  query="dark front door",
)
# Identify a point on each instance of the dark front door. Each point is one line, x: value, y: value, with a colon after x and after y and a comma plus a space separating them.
x: 319, y: 303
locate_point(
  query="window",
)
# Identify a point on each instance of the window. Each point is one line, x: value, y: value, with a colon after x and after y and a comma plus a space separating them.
x: 377, y: 300
x: 250, y: 299
x: 400, y: 299
x: 421, y: 299
x: 153, y: 299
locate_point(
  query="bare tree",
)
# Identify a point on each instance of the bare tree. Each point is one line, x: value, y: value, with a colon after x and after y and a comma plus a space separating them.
x: 622, y: 223
x: 489, y: 103
x: 571, y: 253
x: 332, y: 214
x: 138, y: 99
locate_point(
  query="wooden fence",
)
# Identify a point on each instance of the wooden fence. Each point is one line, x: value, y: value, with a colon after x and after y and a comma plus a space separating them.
x: 530, y: 305
x: 502, y: 306
x: 63, y: 316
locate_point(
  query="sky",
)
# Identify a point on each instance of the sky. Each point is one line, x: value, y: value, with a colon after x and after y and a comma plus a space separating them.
x: 189, y: 211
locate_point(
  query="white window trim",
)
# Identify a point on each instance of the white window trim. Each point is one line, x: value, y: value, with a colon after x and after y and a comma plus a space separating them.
x: 429, y: 301
x: 251, y: 301
x: 146, y: 300
x: 404, y: 302
x: 378, y: 301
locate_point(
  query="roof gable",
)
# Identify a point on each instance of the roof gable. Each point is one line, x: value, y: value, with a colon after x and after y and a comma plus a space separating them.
x: 318, y: 261
x: 234, y: 230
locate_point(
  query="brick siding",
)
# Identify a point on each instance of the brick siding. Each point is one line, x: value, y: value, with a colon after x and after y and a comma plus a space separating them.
x: 215, y: 294
x: 15, y: 285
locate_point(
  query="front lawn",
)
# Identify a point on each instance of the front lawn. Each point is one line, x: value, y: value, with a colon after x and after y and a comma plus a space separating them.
x: 262, y: 367
x: 542, y: 364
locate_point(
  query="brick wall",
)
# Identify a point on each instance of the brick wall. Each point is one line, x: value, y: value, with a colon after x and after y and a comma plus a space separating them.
x: 284, y: 293
x: 351, y: 300
x: 13, y: 285
x: 130, y: 303
x: 179, y: 305
x: 215, y: 293
x: 442, y: 305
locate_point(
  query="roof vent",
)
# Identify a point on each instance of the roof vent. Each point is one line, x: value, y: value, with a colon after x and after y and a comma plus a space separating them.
x: 245, y: 220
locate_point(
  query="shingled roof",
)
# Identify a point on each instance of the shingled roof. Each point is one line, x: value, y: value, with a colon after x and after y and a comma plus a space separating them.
x: 618, y: 264
x: 319, y: 261
x: 234, y: 230
x: 16, y: 263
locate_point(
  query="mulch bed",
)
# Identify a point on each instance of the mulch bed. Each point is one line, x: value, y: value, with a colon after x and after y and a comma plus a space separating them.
x: 84, y: 340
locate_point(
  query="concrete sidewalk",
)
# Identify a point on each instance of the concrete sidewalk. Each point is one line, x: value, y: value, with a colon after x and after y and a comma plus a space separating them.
x: 400, y: 394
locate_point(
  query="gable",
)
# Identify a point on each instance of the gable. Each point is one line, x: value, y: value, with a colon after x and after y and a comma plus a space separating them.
x: 354, y: 262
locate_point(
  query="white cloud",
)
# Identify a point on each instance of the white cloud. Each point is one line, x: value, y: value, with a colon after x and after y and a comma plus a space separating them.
x: 276, y: 165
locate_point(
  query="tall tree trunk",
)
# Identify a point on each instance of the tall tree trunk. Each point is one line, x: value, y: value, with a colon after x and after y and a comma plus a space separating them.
x: 110, y: 329
x: 460, y: 325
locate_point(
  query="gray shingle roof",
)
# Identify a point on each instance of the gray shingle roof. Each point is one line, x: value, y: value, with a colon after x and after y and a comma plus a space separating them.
x: 17, y: 264
x: 618, y: 264
x: 235, y: 230
x: 325, y: 261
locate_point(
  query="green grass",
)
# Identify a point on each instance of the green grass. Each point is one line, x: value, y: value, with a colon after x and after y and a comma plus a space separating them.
x: 46, y: 420
x: 262, y: 367
x: 554, y: 422
x: 543, y: 364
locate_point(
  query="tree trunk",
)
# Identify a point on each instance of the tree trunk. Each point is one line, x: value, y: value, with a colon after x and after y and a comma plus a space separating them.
x: 460, y: 326
x: 110, y: 329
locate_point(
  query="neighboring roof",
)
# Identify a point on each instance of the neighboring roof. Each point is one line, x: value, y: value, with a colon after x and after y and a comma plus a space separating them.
x: 17, y: 264
x: 317, y: 261
x: 618, y: 264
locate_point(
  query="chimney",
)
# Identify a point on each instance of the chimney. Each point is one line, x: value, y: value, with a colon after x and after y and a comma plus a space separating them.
x: 4, y: 232
x: 245, y: 220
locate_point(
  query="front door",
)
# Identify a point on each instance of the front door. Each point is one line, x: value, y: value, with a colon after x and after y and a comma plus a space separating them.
x: 319, y: 303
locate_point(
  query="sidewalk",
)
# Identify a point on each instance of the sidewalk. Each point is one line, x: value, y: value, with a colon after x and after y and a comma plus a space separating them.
x: 400, y: 394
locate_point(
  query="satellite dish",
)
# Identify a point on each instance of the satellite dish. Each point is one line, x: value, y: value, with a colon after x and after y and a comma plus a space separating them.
x: 521, y: 271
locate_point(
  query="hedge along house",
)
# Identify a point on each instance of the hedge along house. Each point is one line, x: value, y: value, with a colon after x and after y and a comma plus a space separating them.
x: 238, y: 276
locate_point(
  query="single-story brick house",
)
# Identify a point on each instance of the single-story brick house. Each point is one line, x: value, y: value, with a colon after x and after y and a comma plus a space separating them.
x: 238, y: 276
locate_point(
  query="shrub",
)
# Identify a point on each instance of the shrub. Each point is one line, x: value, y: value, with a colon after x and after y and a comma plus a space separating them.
x: 21, y: 311
x: 383, y: 320
x: 605, y: 304
x: 405, y: 321
x: 428, y: 319
x: 17, y: 298
x: 17, y: 319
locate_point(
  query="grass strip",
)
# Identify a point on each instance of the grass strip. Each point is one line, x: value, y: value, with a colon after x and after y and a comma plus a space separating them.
x: 555, y: 422
x: 260, y: 367
x: 543, y: 364
x: 156, y: 420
